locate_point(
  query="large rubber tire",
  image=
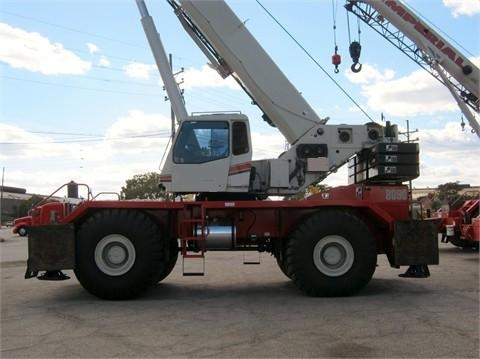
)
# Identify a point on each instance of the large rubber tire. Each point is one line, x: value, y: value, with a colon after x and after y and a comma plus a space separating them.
x: 172, y: 261
x: 282, y: 266
x: 331, y: 253
x: 119, y: 254
x: 456, y: 241
x: 280, y: 256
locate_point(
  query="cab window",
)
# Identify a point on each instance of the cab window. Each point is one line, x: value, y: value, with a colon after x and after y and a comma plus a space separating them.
x: 239, y: 138
x: 200, y: 142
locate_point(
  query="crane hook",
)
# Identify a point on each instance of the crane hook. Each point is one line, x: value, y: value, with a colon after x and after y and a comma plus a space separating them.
x: 336, y: 60
x: 356, y: 67
x: 355, y: 50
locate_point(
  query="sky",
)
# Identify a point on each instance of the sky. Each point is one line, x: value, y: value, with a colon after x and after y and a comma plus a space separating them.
x: 81, y: 98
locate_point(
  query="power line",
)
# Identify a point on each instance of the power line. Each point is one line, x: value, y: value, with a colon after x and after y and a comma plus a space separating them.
x: 313, y: 59
x: 72, y: 29
x: 76, y: 87
x: 118, y: 81
x: 160, y: 134
x: 65, y: 133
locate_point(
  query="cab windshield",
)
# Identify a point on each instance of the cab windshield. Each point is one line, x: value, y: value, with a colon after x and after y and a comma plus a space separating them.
x: 200, y: 142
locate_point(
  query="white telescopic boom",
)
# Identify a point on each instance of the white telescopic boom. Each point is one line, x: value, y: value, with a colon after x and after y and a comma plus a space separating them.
x: 271, y: 90
x: 161, y: 60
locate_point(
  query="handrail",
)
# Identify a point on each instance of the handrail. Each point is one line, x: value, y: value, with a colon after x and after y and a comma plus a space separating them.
x: 101, y: 193
x: 45, y: 199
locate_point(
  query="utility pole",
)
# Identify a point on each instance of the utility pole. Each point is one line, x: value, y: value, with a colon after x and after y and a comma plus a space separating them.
x: 1, y: 197
x: 172, y: 113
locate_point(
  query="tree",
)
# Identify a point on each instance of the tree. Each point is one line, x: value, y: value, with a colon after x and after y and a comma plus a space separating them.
x: 450, y: 192
x: 143, y: 186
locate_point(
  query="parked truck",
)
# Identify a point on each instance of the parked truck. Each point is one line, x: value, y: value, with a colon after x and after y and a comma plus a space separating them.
x: 50, y: 209
x: 21, y: 224
x: 460, y: 224
x: 326, y: 244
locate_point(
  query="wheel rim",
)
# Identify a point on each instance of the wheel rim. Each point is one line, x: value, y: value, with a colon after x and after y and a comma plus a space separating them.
x: 114, y: 255
x: 22, y: 231
x: 333, y: 255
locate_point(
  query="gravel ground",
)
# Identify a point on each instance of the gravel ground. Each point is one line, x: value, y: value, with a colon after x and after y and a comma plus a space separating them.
x: 240, y: 311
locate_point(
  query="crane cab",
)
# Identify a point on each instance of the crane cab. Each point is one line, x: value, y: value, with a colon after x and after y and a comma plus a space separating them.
x: 210, y: 153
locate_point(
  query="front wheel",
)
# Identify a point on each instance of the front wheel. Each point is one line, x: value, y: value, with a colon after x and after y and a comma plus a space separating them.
x: 332, y: 253
x: 22, y: 231
x: 119, y: 254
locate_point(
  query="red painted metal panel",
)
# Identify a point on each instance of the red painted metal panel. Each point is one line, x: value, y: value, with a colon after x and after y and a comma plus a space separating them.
x: 276, y: 218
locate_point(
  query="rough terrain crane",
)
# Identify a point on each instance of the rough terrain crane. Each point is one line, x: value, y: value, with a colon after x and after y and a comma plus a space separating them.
x: 402, y: 27
x: 327, y: 244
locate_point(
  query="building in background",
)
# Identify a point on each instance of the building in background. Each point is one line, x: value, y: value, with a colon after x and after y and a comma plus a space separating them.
x: 12, y: 200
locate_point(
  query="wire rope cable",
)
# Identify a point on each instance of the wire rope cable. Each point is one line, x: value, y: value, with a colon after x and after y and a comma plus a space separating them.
x: 314, y: 61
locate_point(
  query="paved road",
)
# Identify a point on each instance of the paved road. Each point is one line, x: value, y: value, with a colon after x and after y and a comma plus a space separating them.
x: 243, y: 311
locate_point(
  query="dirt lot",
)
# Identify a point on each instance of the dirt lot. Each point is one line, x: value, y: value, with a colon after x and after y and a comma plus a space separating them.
x: 241, y: 310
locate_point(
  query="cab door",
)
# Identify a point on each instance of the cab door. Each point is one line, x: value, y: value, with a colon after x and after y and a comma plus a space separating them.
x: 201, y: 156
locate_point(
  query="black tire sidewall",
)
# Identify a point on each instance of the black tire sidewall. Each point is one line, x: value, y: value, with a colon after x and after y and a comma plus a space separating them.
x: 300, y: 262
x: 172, y: 261
x: 144, y: 236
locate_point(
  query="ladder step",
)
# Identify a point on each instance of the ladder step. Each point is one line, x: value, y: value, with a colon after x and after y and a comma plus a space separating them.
x: 193, y: 255
x: 191, y: 269
x: 193, y: 274
x: 253, y: 258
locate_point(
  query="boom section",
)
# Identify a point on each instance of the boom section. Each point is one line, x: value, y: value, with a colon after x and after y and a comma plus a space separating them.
x: 162, y: 62
x: 399, y: 24
x: 225, y: 39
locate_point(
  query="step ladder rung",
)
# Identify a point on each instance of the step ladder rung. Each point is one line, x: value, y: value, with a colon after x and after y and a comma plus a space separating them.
x: 193, y: 271
x: 193, y: 222
x: 193, y: 274
x: 250, y: 261
x: 186, y: 255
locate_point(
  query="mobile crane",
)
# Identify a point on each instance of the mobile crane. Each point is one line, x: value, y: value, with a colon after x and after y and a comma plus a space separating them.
x: 327, y: 244
x: 400, y: 25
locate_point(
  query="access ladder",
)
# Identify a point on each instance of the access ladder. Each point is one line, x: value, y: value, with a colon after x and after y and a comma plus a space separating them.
x: 192, y: 231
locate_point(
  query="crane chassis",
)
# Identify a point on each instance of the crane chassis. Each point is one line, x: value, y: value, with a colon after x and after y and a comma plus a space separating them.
x: 327, y: 244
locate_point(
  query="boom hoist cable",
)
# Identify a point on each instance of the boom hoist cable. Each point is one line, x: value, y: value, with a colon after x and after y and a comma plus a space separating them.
x: 336, y: 58
x: 355, y: 47
x: 314, y: 61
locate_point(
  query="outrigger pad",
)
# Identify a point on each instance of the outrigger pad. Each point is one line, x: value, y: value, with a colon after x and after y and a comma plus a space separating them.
x: 53, y: 275
x: 415, y: 242
x: 51, y: 248
x: 416, y: 271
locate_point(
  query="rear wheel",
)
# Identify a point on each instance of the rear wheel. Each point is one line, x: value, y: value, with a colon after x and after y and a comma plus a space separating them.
x: 279, y: 254
x: 171, y: 262
x: 332, y: 253
x: 119, y: 253
x: 455, y: 240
